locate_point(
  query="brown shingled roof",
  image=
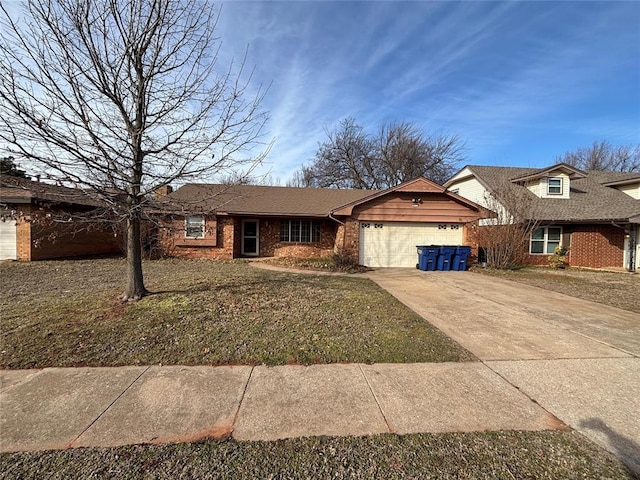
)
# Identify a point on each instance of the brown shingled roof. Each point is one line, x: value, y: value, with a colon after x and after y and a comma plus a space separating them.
x: 261, y: 200
x: 22, y: 190
x: 590, y: 200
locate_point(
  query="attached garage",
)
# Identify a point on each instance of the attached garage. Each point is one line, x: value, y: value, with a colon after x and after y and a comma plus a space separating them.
x: 383, y: 230
x: 8, y: 238
x: 393, y: 244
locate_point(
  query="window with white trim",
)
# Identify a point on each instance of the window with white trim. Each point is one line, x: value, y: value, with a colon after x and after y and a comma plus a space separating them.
x: 194, y: 226
x: 554, y: 186
x: 300, y: 231
x: 544, y: 240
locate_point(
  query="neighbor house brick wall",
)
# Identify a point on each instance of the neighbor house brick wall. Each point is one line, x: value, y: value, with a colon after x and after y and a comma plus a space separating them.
x: 596, y: 246
x: 591, y: 246
x: 172, y: 232
x: 271, y: 246
x: 74, y: 241
x: 40, y: 238
x: 538, y: 260
x: 23, y: 234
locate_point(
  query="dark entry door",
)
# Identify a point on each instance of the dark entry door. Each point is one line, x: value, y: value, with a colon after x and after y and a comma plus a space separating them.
x: 250, y: 238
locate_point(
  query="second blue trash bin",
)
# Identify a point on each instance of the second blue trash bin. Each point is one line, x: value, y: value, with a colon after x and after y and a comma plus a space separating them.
x: 460, y: 258
x: 444, y: 258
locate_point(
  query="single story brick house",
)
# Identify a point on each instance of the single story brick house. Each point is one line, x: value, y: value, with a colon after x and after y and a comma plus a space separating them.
x: 31, y: 226
x: 596, y: 214
x: 375, y: 228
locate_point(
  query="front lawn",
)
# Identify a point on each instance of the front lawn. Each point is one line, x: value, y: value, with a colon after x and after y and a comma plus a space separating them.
x: 65, y: 313
x: 615, y: 289
x: 472, y: 456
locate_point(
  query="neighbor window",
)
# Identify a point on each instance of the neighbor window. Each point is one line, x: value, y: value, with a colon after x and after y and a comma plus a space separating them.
x: 194, y: 226
x: 545, y: 240
x: 554, y: 186
x: 302, y: 231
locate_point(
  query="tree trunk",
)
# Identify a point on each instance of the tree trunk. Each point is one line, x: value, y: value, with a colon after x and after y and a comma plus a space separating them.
x: 135, y: 280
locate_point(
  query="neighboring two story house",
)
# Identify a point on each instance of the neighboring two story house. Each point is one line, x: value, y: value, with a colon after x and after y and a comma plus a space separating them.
x: 596, y: 214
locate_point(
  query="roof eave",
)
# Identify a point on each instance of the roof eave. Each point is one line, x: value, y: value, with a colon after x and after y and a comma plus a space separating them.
x: 575, y: 173
x: 626, y: 181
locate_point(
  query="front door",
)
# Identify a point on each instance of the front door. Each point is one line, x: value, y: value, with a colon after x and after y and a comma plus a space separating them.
x: 250, y: 238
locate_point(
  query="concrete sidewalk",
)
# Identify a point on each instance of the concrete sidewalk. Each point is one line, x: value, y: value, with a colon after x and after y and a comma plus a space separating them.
x: 58, y: 408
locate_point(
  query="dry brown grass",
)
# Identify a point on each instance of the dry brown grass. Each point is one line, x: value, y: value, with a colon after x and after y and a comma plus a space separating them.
x: 65, y: 313
x: 610, y: 288
x: 461, y: 456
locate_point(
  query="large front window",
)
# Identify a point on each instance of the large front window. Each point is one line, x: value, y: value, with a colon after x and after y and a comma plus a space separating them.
x: 194, y: 226
x: 301, y: 231
x: 544, y: 240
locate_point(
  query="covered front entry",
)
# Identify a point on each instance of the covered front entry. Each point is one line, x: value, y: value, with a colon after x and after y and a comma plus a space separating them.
x: 393, y: 244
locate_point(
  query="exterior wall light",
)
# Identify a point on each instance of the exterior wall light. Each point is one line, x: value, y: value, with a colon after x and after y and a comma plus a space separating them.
x: 415, y: 202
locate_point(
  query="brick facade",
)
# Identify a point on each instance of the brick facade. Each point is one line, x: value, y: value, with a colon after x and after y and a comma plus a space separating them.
x: 229, y: 240
x: 351, y: 240
x: 172, y: 232
x: 271, y: 246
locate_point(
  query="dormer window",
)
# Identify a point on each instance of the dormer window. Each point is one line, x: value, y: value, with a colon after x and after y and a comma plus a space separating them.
x: 554, y: 186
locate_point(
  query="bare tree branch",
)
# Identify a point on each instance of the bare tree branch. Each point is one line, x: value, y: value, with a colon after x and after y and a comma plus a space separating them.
x: 603, y: 155
x: 121, y: 97
x: 352, y: 158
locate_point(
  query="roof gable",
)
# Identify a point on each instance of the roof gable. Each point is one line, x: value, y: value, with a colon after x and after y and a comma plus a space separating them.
x: 418, y: 185
x: 571, y: 172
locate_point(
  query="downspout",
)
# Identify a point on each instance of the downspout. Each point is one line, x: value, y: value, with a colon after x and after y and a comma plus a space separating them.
x: 335, y: 219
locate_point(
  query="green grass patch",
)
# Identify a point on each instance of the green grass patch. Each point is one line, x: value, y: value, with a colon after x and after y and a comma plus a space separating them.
x: 493, y: 455
x: 66, y: 314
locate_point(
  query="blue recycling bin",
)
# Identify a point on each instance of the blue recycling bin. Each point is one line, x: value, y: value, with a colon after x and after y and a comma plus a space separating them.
x: 445, y: 255
x: 427, y: 255
x: 459, y: 262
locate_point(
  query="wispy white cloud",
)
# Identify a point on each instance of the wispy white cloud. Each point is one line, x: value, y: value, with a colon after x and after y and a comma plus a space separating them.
x: 497, y: 73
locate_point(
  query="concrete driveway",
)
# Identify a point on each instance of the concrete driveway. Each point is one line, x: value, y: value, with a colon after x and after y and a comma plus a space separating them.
x: 578, y: 359
x: 502, y: 320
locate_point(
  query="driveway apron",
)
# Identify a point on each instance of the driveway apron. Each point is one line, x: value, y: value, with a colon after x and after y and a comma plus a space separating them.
x: 577, y: 359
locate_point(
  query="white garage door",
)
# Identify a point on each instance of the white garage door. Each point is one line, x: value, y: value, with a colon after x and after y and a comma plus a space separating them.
x: 8, y: 240
x: 394, y: 244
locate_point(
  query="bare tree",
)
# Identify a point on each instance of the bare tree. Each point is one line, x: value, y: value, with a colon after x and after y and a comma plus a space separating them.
x: 404, y: 152
x: 343, y: 160
x: 121, y: 97
x: 505, y: 237
x: 603, y: 155
x: 301, y: 178
x: 353, y: 158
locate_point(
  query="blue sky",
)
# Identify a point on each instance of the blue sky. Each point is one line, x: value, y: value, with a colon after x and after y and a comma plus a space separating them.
x: 520, y: 82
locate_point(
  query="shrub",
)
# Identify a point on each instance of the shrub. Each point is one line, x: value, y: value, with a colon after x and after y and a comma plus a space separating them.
x: 559, y: 257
